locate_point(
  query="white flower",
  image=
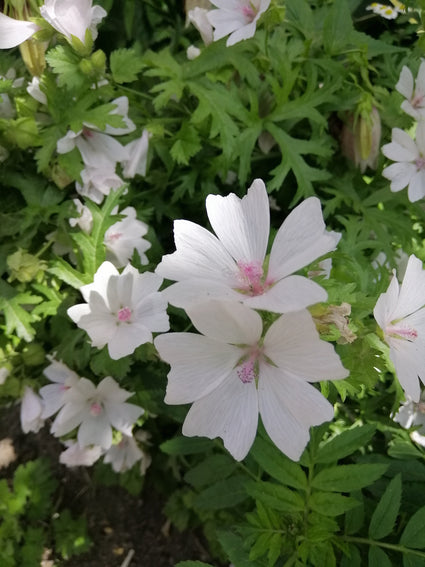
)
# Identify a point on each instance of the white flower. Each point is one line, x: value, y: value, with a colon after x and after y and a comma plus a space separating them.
x: 95, y: 410
x: 123, y: 237
x: 410, y: 167
x: 98, y: 182
x: 33, y: 89
x: 31, y: 411
x: 232, y: 265
x: 137, y: 156
x: 84, y: 219
x: 199, y: 18
x: 414, y: 105
x: 412, y: 414
x: 63, y: 379
x: 73, y: 18
x: 14, y: 32
x: 124, y: 455
x: 237, y: 18
x: 231, y: 374
x: 387, y: 12
x: 401, y: 315
x: 76, y: 456
x: 122, y: 310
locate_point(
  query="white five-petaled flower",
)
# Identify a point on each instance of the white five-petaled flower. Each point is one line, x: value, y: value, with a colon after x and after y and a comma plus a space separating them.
x: 237, y: 18
x: 31, y: 411
x: 124, y: 455
x: 412, y: 414
x: 136, y: 159
x: 414, y: 105
x: 98, y: 182
x: 122, y: 310
x: 84, y: 219
x: 384, y: 10
x: 232, y: 267
x: 95, y: 410
x: 63, y: 379
x: 231, y: 374
x: 410, y: 167
x: 400, y: 313
x: 125, y: 236
x: 73, y: 18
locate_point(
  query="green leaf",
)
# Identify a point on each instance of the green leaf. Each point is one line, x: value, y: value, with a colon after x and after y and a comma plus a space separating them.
x: 187, y: 144
x: 126, y: 64
x: 185, y: 445
x: 66, y: 273
x: 65, y: 63
x: 214, y: 468
x: 276, y: 496
x: 223, y: 494
x: 71, y: 536
x: 414, y: 532
x: 278, y: 465
x: 346, y: 478
x: 352, y: 558
x: 410, y: 560
x: 15, y: 309
x: 344, y: 444
x: 330, y: 504
x: 233, y: 546
x: 337, y: 28
x: 378, y: 557
x: 386, y: 512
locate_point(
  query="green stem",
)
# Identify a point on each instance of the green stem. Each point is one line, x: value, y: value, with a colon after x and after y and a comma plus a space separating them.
x: 392, y: 546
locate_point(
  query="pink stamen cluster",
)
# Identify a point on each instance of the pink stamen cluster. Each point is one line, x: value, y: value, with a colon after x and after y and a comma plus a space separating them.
x: 251, y: 277
x: 114, y: 236
x: 246, y: 372
x: 124, y: 314
x: 418, y: 99
x: 249, y: 12
x: 87, y: 133
x: 95, y: 409
x: 420, y: 163
x: 400, y: 332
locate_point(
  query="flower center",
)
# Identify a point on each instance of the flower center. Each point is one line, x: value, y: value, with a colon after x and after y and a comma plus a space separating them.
x: 124, y: 314
x: 114, y: 236
x: 87, y: 133
x: 247, y: 370
x: 95, y: 409
x: 420, y: 163
x: 400, y: 332
x: 251, y: 278
x: 417, y: 100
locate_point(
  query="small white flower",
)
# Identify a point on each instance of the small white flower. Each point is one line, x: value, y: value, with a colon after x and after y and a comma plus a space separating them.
x: 95, y: 410
x: 76, y: 456
x: 231, y: 375
x: 73, y: 18
x: 63, y: 379
x: 84, y: 219
x: 412, y: 414
x: 414, y: 105
x: 124, y: 455
x: 122, y: 310
x: 237, y: 18
x: 98, y: 182
x: 14, y: 32
x: 125, y: 236
x: 400, y: 313
x: 384, y: 10
x: 199, y: 18
x: 137, y: 156
x: 232, y: 266
x: 31, y: 411
x: 409, y: 171
x: 33, y: 89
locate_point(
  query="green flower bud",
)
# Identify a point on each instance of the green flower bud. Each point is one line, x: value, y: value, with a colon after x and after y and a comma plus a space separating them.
x: 33, y: 355
x: 24, y: 267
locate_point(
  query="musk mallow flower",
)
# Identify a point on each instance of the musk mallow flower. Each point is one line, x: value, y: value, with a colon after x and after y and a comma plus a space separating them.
x: 96, y: 182
x: 63, y: 379
x: 400, y: 313
x: 31, y: 411
x: 95, y: 410
x: 125, y: 236
x: 409, y: 169
x: 232, y: 266
x: 236, y: 17
x: 84, y: 220
x: 230, y: 374
x: 136, y: 160
x: 76, y: 456
x: 412, y: 414
x: 123, y: 455
x: 413, y: 91
x: 122, y: 310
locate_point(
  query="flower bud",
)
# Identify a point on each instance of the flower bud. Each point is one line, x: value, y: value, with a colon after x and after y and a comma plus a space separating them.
x: 361, y: 137
x: 33, y: 355
x: 32, y: 53
x: 24, y: 267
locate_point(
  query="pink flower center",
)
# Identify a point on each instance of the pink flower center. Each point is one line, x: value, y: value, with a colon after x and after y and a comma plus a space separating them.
x: 420, y: 407
x: 418, y: 99
x: 124, y: 314
x: 249, y: 12
x: 420, y: 163
x: 114, y: 236
x: 95, y: 409
x: 251, y: 278
x: 247, y: 371
x: 400, y: 332
x: 87, y: 133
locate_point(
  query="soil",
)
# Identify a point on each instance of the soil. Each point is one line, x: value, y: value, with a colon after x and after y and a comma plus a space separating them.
x: 126, y: 531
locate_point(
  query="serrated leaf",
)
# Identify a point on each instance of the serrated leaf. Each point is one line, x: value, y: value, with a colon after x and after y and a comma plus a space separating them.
x: 276, y: 496
x: 223, y: 494
x: 185, y: 445
x: 414, y: 533
x: 17, y: 317
x: 233, y: 546
x: 66, y: 273
x: 386, y: 512
x: 330, y: 504
x: 261, y: 545
x: 337, y: 27
x: 346, y: 478
x: 214, y: 468
x: 187, y: 144
x: 277, y: 465
x: 344, y: 444
x: 378, y: 558
x: 65, y: 63
x: 126, y: 64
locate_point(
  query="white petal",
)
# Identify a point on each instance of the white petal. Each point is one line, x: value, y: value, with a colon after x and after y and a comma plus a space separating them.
x: 14, y: 32
x: 242, y: 225
x: 416, y: 189
x: 412, y: 290
x: 100, y: 281
x: 123, y: 416
x: 288, y: 407
x: 301, y: 239
x: 187, y: 293
x: 386, y: 304
x: 227, y: 322
x: 151, y: 313
x: 95, y: 431
x: 408, y: 363
x: 405, y: 83
x: 198, y: 365
x: 31, y: 411
x: 136, y: 161
x: 245, y: 32
x: 229, y: 412
x: 402, y: 147
x: 400, y: 175
x: 76, y: 312
x: 292, y: 343
x: 125, y: 339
